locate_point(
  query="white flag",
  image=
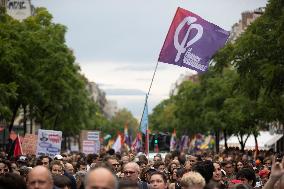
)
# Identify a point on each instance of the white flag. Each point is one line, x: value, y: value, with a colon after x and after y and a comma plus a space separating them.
x: 117, y: 144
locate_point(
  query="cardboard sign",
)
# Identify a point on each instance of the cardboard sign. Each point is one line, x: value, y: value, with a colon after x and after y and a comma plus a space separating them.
x: 48, y: 142
x: 29, y: 143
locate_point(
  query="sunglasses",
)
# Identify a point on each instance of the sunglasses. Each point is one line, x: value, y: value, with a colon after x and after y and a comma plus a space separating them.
x: 129, y: 172
x: 116, y: 164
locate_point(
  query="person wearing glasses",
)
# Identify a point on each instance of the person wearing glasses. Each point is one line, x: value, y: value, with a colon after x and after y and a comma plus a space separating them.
x: 112, y: 161
x: 131, y: 172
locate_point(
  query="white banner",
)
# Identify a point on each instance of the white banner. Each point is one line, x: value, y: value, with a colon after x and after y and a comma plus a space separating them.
x: 19, y: 9
x: 93, y: 135
x: 48, y: 142
x: 91, y: 147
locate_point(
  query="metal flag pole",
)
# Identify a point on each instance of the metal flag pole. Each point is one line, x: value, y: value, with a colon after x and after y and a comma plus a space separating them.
x: 146, y: 101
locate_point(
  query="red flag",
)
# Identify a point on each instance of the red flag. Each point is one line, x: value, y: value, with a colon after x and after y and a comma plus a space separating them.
x: 18, y: 147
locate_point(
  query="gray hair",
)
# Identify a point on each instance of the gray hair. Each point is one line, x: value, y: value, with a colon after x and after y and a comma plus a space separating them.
x: 135, y: 165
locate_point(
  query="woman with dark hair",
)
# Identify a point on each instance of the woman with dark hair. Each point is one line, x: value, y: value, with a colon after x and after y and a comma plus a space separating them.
x: 218, y: 175
x: 239, y: 166
x: 158, y: 180
x: 247, y: 176
x: 173, y: 175
x: 12, y: 181
x: 62, y: 181
x: 5, y: 167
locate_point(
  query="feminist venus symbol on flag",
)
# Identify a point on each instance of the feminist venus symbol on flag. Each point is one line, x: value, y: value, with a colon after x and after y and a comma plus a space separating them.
x: 192, y: 41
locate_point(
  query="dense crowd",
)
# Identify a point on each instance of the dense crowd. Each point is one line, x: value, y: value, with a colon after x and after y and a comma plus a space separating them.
x: 128, y: 170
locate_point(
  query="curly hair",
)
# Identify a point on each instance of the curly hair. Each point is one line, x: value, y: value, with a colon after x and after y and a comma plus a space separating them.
x: 191, y: 179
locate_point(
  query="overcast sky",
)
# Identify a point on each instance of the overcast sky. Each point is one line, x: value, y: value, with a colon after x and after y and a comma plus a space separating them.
x: 117, y: 42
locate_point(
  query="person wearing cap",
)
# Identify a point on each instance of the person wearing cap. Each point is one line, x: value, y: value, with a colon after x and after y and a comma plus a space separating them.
x: 58, y: 157
x: 22, y: 161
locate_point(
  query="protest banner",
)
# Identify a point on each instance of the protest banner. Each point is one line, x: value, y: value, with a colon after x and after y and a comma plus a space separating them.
x: 90, y: 142
x: 29, y: 143
x: 48, y: 142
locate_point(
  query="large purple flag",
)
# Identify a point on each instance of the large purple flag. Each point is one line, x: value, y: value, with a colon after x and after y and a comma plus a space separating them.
x: 192, y: 41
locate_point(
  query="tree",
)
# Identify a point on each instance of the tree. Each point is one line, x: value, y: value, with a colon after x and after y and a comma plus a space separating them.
x: 43, y: 76
x: 121, y: 119
x: 163, y: 116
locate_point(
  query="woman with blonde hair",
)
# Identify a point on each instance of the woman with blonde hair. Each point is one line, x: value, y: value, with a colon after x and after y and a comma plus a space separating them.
x: 192, y: 180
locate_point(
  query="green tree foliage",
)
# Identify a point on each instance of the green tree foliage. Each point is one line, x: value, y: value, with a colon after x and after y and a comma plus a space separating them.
x: 258, y: 56
x: 163, y: 116
x: 121, y: 119
x: 38, y: 75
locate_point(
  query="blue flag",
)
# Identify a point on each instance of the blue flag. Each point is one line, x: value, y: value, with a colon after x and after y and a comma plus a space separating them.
x: 144, y: 120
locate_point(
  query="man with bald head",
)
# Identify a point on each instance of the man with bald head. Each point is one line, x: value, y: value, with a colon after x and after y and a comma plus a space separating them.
x: 100, y: 178
x: 39, y: 178
x: 131, y: 172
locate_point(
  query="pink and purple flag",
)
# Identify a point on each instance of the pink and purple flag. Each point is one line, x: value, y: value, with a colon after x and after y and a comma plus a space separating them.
x: 192, y: 41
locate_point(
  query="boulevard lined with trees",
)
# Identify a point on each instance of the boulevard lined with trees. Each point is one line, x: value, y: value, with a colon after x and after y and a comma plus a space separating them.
x: 241, y: 93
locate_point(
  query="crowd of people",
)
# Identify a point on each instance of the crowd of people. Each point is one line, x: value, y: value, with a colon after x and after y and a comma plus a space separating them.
x: 128, y: 170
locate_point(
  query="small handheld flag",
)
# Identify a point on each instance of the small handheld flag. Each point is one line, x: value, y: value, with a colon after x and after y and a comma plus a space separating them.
x: 192, y: 41
x: 144, y: 120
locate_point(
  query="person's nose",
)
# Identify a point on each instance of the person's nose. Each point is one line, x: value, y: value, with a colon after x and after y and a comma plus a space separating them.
x: 36, y: 185
x: 155, y: 184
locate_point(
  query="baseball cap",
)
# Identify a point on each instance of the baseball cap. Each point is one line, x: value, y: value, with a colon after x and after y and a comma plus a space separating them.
x: 22, y: 159
x: 58, y: 157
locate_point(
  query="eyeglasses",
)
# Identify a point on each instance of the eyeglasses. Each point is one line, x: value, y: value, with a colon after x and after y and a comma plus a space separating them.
x: 116, y: 164
x: 45, y: 163
x: 129, y: 172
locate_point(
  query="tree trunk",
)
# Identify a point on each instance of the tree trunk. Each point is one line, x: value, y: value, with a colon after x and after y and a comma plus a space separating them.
x: 217, y: 140
x: 31, y: 119
x: 55, y: 122
x: 225, y: 139
x: 25, y: 119
x: 42, y: 120
x: 11, y: 125
x: 64, y: 143
x: 242, y: 141
x: 256, y: 146
x: 69, y: 143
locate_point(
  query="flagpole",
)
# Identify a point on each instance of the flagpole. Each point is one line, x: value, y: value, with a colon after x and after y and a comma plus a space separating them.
x: 152, y: 81
x: 146, y: 101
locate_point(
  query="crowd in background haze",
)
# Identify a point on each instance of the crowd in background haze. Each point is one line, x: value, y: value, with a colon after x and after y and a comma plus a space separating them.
x: 129, y: 170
